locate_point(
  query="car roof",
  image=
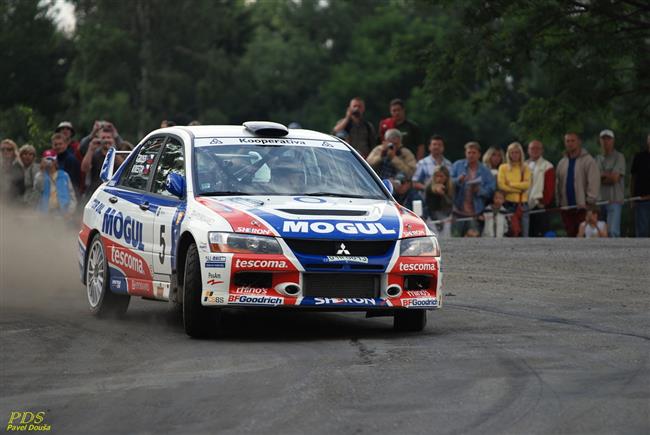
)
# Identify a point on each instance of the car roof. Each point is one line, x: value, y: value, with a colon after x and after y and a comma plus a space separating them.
x: 202, y: 131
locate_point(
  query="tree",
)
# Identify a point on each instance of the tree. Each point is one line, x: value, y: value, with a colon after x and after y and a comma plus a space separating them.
x: 35, y: 62
x: 576, y: 65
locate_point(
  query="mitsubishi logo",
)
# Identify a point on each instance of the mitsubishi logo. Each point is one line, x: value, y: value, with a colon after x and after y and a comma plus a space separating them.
x: 342, y: 251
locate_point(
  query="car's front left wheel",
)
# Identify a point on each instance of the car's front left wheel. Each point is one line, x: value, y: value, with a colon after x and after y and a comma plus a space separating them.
x: 103, y: 302
x: 410, y: 320
x: 199, y: 321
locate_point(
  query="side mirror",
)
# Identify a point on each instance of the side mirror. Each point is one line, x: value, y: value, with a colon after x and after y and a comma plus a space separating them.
x: 175, y: 184
x: 388, y: 184
x: 106, y: 172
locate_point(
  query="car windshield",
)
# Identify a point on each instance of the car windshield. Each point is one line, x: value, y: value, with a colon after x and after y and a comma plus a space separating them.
x: 262, y: 169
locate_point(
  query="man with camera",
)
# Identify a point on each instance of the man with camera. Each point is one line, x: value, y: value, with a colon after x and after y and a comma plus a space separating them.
x: 355, y: 129
x: 98, y: 125
x: 390, y: 157
x: 94, y: 158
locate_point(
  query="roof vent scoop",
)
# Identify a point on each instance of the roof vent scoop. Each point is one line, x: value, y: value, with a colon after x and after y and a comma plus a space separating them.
x: 266, y: 128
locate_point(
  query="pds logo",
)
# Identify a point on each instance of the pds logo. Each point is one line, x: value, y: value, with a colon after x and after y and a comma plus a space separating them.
x: 20, y: 421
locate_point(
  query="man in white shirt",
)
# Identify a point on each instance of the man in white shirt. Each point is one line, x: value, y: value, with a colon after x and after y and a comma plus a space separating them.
x: 542, y: 188
x: 428, y: 165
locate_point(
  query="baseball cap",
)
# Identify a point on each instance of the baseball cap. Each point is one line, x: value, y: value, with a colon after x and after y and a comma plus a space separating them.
x: 64, y: 124
x: 609, y: 133
x: 401, y: 177
x: 49, y: 154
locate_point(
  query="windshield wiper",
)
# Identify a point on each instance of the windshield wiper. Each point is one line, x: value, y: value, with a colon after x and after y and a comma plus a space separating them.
x: 225, y: 193
x: 342, y: 195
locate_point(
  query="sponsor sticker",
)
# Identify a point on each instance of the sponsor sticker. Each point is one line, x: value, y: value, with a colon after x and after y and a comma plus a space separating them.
x: 125, y: 259
x: 137, y: 285
x: 213, y: 298
x: 418, y: 293
x: 126, y: 228
x: 215, y: 264
x: 97, y: 206
x: 250, y: 230
x: 309, y: 200
x: 215, y: 261
x: 328, y: 227
x: 417, y: 267
x: 420, y: 302
x: 214, y: 275
x: 159, y: 290
x: 255, y: 300
x: 261, y: 264
x: 116, y: 283
x: 251, y: 290
x: 345, y: 259
x: 267, y: 141
x: 414, y: 233
x: 213, y: 282
x: 345, y: 301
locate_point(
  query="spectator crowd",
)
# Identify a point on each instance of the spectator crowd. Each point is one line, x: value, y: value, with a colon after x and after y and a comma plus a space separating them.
x: 506, y: 193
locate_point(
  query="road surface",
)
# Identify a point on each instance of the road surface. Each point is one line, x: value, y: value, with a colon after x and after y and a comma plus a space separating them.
x: 535, y: 336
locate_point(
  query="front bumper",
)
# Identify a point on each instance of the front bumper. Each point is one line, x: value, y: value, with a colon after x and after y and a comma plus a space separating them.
x: 245, y: 280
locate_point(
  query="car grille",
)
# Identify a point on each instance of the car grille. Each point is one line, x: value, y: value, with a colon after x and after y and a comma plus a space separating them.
x: 332, y: 247
x: 340, y: 285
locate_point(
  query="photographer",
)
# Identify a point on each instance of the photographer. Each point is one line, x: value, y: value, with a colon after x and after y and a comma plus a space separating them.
x: 390, y: 157
x: 94, y: 158
x: 97, y: 127
x: 355, y: 129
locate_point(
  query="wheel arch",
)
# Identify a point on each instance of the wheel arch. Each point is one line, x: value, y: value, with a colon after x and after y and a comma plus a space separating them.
x: 186, y: 239
x: 91, y: 236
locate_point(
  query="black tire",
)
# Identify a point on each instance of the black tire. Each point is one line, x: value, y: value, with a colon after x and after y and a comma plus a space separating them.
x: 103, y: 302
x: 199, y: 321
x: 410, y: 320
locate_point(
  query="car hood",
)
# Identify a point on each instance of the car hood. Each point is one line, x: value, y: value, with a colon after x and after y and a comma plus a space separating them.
x: 308, y: 217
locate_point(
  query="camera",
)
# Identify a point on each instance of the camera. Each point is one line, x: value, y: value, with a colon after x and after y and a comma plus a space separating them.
x: 391, y: 146
x: 356, y: 113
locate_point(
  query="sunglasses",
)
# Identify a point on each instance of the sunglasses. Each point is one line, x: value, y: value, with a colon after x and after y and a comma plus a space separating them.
x: 7, y: 149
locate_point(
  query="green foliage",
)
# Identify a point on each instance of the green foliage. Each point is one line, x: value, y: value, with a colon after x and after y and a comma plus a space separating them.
x: 493, y: 71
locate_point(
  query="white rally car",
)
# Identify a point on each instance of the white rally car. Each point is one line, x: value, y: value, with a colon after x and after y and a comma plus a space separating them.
x: 254, y: 216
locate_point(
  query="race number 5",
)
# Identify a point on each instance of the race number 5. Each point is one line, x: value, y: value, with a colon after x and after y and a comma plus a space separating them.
x: 161, y: 255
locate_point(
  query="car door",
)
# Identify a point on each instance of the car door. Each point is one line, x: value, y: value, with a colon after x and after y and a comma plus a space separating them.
x: 131, y: 221
x: 170, y: 211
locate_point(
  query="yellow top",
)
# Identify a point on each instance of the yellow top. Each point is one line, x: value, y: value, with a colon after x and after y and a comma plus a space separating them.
x: 516, y: 185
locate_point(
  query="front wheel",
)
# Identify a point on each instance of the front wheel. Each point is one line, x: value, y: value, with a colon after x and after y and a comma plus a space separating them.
x: 103, y: 302
x: 199, y: 321
x: 410, y: 320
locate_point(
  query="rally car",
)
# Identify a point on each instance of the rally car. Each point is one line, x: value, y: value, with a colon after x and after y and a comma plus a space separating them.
x: 258, y: 215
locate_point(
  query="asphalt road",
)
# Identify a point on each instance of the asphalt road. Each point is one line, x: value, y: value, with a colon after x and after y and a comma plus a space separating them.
x: 536, y: 336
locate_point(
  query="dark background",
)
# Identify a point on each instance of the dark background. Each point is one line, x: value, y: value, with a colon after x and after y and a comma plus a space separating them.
x: 494, y: 71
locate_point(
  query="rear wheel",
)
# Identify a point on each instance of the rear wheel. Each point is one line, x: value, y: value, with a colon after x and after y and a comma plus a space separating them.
x: 103, y: 302
x: 410, y: 320
x: 199, y: 321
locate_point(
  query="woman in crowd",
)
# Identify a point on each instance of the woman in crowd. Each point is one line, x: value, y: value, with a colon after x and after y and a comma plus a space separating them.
x: 493, y: 158
x: 12, y: 184
x: 514, y: 179
x: 439, y: 198
x: 57, y: 195
x: 27, y: 155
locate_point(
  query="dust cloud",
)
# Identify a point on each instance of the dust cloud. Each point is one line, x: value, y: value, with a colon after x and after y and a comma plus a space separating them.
x: 38, y: 261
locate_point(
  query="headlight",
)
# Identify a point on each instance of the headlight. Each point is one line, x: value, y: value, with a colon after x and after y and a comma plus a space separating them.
x: 419, y: 247
x: 243, y: 243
